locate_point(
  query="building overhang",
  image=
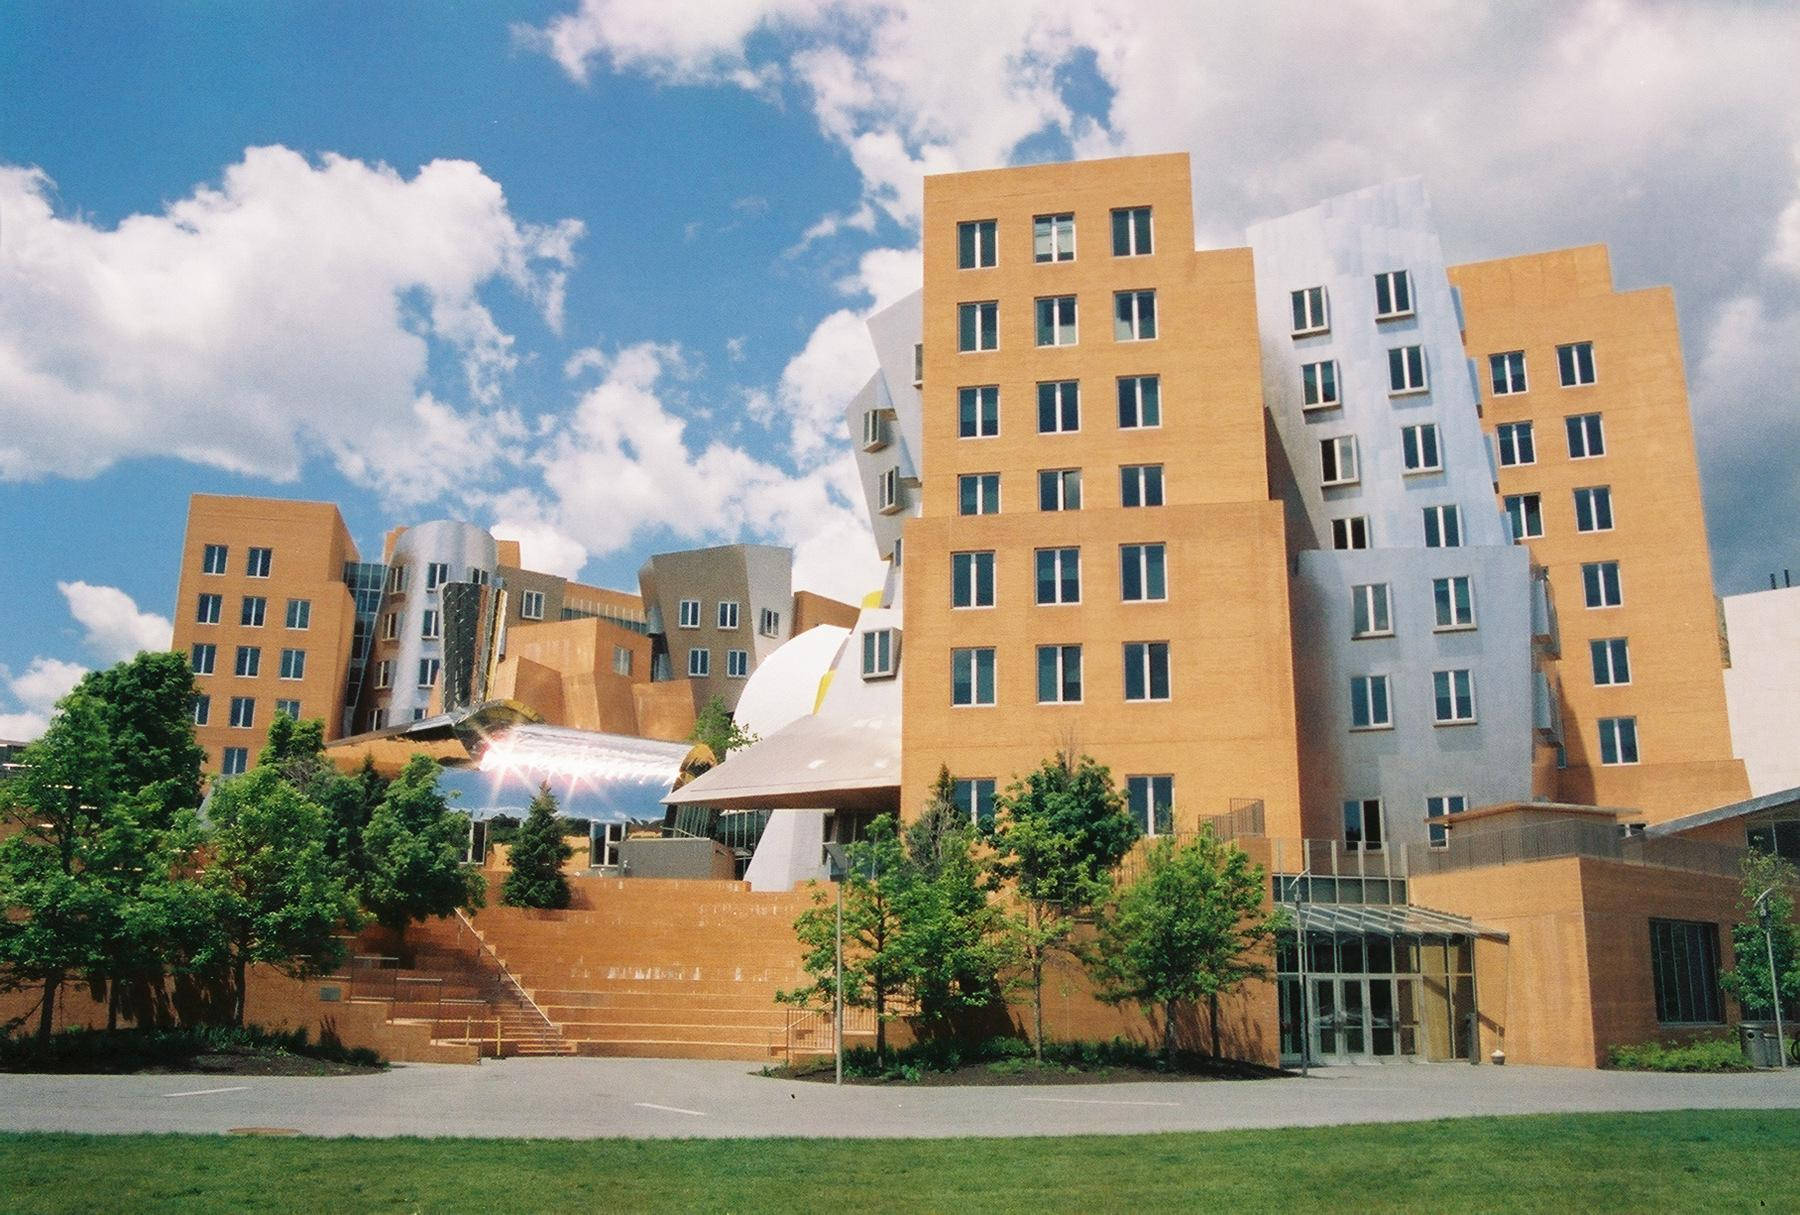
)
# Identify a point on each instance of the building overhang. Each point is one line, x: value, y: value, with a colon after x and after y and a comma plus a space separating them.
x: 812, y: 763
x: 1406, y: 920
x: 1784, y: 799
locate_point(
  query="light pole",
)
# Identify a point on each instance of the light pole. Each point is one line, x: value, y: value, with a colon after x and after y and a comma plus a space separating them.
x: 1299, y: 889
x: 1767, y: 916
x: 840, y: 869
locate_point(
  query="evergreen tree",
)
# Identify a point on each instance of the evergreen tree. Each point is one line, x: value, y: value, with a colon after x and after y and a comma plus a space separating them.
x: 536, y: 856
x: 1748, y: 980
x: 414, y: 847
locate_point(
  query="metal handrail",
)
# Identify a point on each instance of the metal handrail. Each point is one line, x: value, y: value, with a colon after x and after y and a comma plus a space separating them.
x: 506, y: 976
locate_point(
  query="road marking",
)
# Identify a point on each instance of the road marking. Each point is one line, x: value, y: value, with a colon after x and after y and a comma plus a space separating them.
x: 673, y: 1109
x: 207, y: 1092
x: 1093, y: 1101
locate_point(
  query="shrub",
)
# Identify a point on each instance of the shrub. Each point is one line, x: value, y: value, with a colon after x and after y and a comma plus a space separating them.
x: 1700, y: 1055
x: 130, y: 1050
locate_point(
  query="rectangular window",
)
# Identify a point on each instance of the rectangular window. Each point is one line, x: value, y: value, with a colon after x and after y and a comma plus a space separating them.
x: 378, y: 719
x: 390, y: 626
x: 1593, y: 509
x: 1142, y: 573
x: 1053, y: 238
x: 1059, y: 674
x: 978, y: 494
x: 978, y: 326
x: 1151, y: 800
x: 1516, y: 445
x: 1350, y: 533
x: 255, y: 608
x: 1059, y: 407
x: 687, y: 614
x: 1131, y: 231
x: 874, y: 430
x: 1362, y: 825
x: 477, y: 575
x: 207, y: 611
x: 1319, y: 385
x: 1406, y: 370
x: 531, y: 605
x: 428, y: 672
x: 202, y: 709
x: 971, y: 580
x: 384, y: 674
x: 1059, y: 489
x: 1056, y: 321
x: 621, y: 660
x: 1370, y: 707
x: 1526, y: 514
x: 258, y: 561
x: 1393, y: 295
x: 1454, y: 697
x: 1454, y: 601
x: 1134, y: 316
x: 203, y: 658
x: 234, y: 761
x: 1611, y: 660
x: 972, y: 676
x: 889, y: 494
x: 1443, y: 526
x: 737, y: 664
x: 878, y: 653
x: 1684, y: 969
x: 1337, y: 461
x: 396, y: 580
x: 243, y: 712
x: 1442, y: 805
x: 430, y: 626
x: 1141, y: 485
x: 977, y: 244
x: 1310, y: 314
x: 1600, y: 584
x: 436, y: 574
x: 918, y: 364
x: 1058, y: 576
x: 213, y: 560
x: 1586, y: 437
x: 974, y: 796
x: 1146, y: 670
x: 1575, y: 362
x: 728, y: 614
x: 1371, y: 611
x: 1419, y: 451
x: 293, y: 664
x: 699, y: 662
x: 1140, y: 401
x: 978, y: 412
x: 770, y: 625
x: 1618, y: 740
x: 299, y: 613
x: 249, y: 660
x: 1507, y: 372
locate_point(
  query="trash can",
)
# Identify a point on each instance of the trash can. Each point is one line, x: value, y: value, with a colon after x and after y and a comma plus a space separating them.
x: 1759, y: 1042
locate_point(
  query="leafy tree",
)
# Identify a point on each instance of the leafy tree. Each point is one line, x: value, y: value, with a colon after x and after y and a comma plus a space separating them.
x: 147, y: 706
x: 414, y: 847
x: 940, y: 828
x: 296, y: 749
x: 714, y: 726
x: 1748, y: 979
x: 272, y: 895
x: 1192, y: 925
x: 537, y: 856
x: 1058, y: 835
x: 952, y: 935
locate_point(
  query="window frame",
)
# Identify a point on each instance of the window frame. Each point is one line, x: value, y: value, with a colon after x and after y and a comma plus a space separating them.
x: 1134, y: 315
x: 978, y: 411
x: 1310, y: 311
x: 1060, y: 557
x: 1062, y: 400
x: 1135, y: 560
x: 1371, y: 606
x: 1401, y: 370
x: 293, y: 664
x: 1530, y: 510
x: 247, y: 662
x: 1591, y: 501
x: 1136, y: 404
x: 209, y: 608
x: 737, y: 664
x: 1594, y: 584
x: 1440, y: 535
x: 299, y: 615
x: 977, y: 244
x: 688, y: 613
x: 1345, y: 531
x: 215, y: 560
x: 1569, y: 358
x: 1062, y: 656
x: 1590, y: 430
x: 1054, y: 489
x: 242, y: 713
x: 1134, y: 480
x: 728, y: 620
x: 880, y: 653
x: 1617, y: 735
x: 1361, y: 839
x: 1398, y: 308
x: 1061, y: 332
x: 1047, y: 236
x: 259, y: 561
x: 699, y: 662
x: 977, y: 658
x: 1316, y: 378
x: 1445, y: 688
x: 531, y: 605
x: 1142, y: 792
x: 1515, y: 379
x: 1371, y: 701
x: 1133, y: 231
x: 429, y: 669
x: 980, y: 483
x: 1142, y: 660
x: 1610, y: 661
x: 966, y: 567
x: 1339, y: 462
x: 1414, y: 439
x: 977, y: 326
x: 1681, y: 983
x: 1506, y: 440
x: 1438, y: 806
x: 1448, y: 613
x: 253, y: 612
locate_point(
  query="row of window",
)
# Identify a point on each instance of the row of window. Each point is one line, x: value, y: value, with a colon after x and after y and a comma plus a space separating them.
x: 1057, y: 320
x: 215, y: 559
x: 1365, y: 826
x: 1058, y: 407
x: 1060, y: 489
x: 384, y: 673
x: 1372, y: 614
x: 737, y: 663
x: 1517, y: 443
x: 1052, y: 238
x: 1442, y: 525
x: 205, y: 655
x: 437, y: 573
x: 1574, y: 366
x: 1150, y: 800
x: 1593, y: 512
x: 252, y: 611
x: 243, y: 710
x: 1453, y: 700
x: 1312, y: 305
x: 1059, y: 674
x: 688, y: 616
x: 1143, y: 575
x: 1421, y: 451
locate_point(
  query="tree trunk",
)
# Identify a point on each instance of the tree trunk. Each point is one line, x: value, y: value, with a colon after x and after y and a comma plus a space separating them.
x: 1169, y: 1032
x: 1037, y: 1005
x: 47, y: 1014
x: 880, y: 1029
x: 239, y: 976
x: 1213, y: 1014
x: 112, y: 1005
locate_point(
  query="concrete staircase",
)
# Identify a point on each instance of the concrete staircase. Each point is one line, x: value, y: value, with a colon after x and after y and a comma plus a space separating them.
x: 480, y: 1004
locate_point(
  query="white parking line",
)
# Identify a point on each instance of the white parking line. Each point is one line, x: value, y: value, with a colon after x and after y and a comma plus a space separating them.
x: 207, y: 1092
x: 673, y: 1109
x: 1092, y: 1101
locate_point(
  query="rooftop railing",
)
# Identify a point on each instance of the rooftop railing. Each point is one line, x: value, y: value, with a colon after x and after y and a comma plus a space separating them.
x: 1554, y: 841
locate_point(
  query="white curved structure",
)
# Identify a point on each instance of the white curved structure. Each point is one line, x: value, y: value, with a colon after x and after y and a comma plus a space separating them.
x: 786, y: 685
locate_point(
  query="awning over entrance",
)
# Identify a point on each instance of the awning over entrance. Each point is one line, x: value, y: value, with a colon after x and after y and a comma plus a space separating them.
x: 1396, y: 921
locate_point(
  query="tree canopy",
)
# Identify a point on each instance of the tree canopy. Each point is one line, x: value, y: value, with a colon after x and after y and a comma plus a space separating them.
x: 536, y: 856
x: 414, y: 846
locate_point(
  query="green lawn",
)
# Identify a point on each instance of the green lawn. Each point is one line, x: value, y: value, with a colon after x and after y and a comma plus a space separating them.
x: 1691, y: 1160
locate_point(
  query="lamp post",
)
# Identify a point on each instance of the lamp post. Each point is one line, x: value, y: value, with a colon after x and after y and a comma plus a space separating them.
x: 839, y: 862
x: 1299, y: 889
x: 1766, y: 914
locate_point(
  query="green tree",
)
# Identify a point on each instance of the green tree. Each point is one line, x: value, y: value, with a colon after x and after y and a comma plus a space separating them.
x: 272, y: 895
x: 1748, y: 979
x: 147, y: 707
x: 414, y: 847
x: 714, y: 726
x: 536, y: 856
x: 1058, y: 835
x: 1192, y: 926
x: 952, y: 934
x: 296, y: 749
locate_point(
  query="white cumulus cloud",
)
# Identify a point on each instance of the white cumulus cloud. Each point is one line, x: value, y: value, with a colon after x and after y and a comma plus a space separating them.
x: 35, y: 692
x: 114, y: 627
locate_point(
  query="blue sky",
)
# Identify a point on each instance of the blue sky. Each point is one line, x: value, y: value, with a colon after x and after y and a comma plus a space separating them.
x: 588, y: 246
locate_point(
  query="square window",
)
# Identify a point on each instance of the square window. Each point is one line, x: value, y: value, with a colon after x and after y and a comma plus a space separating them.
x: 1575, y: 363
x: 1134, y: 316
x: 1319, y: 385
x: 1393, y: 295
x: 531, y: 605
x: 1059, y: 489
x: 972, y: 676
x: 1611, y: 661
x: 978, y: 326
x: 1131, y: 231
x: 1586, y: 438
x: 1507, y: 372
x: 1370, y: 707
x: 204, y: 656
x: 1593, y: 509
x: 428, y: 672
x: 1059, y: 407
x: 1453, y: 695
x: 1362, y: 825
x: 233, y: 761
x: 1059, y: 674
x: 974, y: 796
x: 972, y: 580
x: 436, y: 574
x: 737, y: 664
x: 1371, y: 611
x: 978, y: 494
x: 243, y: 712
x: 1310, y: 315
x: 878, y: 654
x: 1053, y: 238
x: 699, y: 662
x: 1140, y: 401
x: 1419, y: 451
x: 728, y: 614
x: 258, y: 562
x: 1142, y: 573
x: 1337, y: 461
x: 253, y: 611
x: 201, y: 708
x: 213, y: 560
x: 208, y: 608
x: 1442, y: 805
x: 978, y: 412
x: 288, y: 708
x: 249, y: 661
x: 1141, y: 485
x: 1618, y: 740
x: 1443, y: 526
x: 687, y: 614
x: 1600, y: 584
x: 1406, y: 370
x: 299, y: 613
x: 1525, y: 513
x: 1453, y: 600
x: 1151, y: 800
x: 1146, y: 670
x: 293, y: 664
x: 430, y: 627
x: 1056, y: 321
x: 977, y: 244
x: 1516, y: 444
x: 1058, y: 576
x: 1350, y: 533
x: 770, y: 625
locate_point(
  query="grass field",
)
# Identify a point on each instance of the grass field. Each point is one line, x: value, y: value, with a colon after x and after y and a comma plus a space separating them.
x: 1690, y: 1160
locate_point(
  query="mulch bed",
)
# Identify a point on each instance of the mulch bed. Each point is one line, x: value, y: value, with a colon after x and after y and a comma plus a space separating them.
x: 985, y: 1075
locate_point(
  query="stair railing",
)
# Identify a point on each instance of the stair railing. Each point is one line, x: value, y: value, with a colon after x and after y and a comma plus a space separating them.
x: 485, y: 953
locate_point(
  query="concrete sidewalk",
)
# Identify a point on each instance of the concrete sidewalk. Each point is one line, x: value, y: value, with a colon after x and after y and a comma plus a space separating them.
x: 655, y: 1098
